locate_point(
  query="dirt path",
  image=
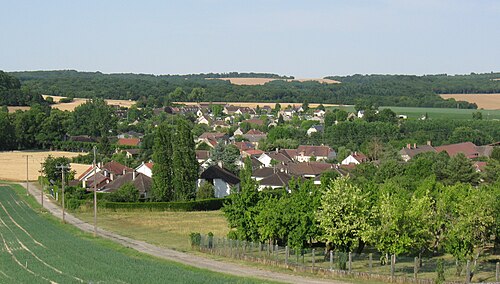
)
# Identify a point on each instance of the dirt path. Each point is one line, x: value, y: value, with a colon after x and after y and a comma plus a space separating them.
x: 184, y: 258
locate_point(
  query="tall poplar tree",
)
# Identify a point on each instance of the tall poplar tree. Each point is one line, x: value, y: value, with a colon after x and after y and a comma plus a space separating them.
x: 162, y: 168
x: 185, y: 165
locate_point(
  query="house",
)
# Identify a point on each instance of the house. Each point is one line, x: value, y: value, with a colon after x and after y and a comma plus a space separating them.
x: 254, y: 136
x: 480, y: 166
x: 140, y: 181
x: 251, y: 153
x: 467, y: 148
x: 130, y: 134
x: 279, y: 156
x: 222, y: 180
x: 402, y: 116
x: 131, y: 153
x: 98, y: 179
x: 212, y: 139
x: 202, y: 156
x: 307, y: 170
x: 203, y: 119
x: 306, y: 152
x: 245, y: 110
x: 145, y: 169
x: 129, y: 142
x: 315, y: 129
x: 82, y: 138
x: 276, y: 180
x: 259, y: 174
x: 244, y: 145
x: 408, y: 152
x: 238, y: 132
x: 355, y: 158
x: 266, y: 109
x: 361, y: 113
x: 230, y: 109
x: 220, y: 124
x: 255, y: 121
x: 319, y: 113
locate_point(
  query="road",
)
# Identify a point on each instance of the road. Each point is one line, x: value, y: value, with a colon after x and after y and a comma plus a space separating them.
x: 169, y: 254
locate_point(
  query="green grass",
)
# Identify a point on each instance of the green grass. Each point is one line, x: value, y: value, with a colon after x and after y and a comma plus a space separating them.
x: 436, y: 113
x: 39, y: 249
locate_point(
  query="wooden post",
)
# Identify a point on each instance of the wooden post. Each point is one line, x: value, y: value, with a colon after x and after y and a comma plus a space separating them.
x: 467, y: 273
x: 415, y: 268
x: 331, y: 260
x: 350, y: 262
x: 313, y: 258
x: 286, y: 255
x: 393, y: 263
x: 370, y: 261
x: 224, y: 245
x: 498, y: 272
x: 276, y: 253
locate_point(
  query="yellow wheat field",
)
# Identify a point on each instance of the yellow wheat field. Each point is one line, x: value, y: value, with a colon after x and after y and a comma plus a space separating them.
x: 485, y: 101
x: 262, y: 81
x: 13, y: 164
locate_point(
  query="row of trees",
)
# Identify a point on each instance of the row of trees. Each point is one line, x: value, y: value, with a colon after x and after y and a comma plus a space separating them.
x: 390, y: 90
x: 175, y: 171
x: 11, y: 93
x: 431, y: 205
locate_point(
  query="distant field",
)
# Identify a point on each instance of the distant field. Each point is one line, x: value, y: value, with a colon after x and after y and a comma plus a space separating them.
x: 449, y: 113
x: 166, y: 229
x: 486, y: 101
x: 13, y: 164
x: 72, y: 105
x: 262, y: 81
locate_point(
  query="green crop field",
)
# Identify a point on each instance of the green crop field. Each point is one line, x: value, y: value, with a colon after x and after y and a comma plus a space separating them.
x: 436, y: 113
x: 38, y: 249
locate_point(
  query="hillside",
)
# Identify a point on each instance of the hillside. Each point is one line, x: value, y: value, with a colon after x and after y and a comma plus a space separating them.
x: 389, y: 90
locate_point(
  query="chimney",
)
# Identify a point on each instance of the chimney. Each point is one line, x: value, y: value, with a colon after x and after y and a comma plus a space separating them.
x: 355, y: 153
x: 429, y: 142
x: 133, y: 175
x: 408, y: 146
x: 220, y: 164
x: 276, y: 150
x: 124, y: 172
x: 414, y: 145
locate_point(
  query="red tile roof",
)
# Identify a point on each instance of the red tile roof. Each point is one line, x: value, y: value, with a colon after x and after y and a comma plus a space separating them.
x: 129, y: 141
x: 254, y: 132
x: 467, y: 148
x: 116, y: 168
x: 322, y: 151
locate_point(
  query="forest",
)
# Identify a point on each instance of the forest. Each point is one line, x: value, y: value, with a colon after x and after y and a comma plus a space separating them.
x: 382, y: 90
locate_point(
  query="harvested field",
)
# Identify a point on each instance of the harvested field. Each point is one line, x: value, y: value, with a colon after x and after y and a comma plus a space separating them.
x: 485, y: 101
x: 261, y: 104
x: 14, y: 108
x: 78, y: 101
x: 262, y: 81
x: 13, y: 164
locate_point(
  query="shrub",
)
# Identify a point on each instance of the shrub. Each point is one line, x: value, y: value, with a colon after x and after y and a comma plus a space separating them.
x: 232, y: 235
x: 65, y: 100
x: 195, y: 239
x: 440, y: 271
x: 206, y: 190
x: 198, y: 205
x: 126, y: 193
x: 342, y: 260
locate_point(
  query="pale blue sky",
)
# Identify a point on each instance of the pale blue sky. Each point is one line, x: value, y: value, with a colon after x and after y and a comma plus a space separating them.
x: 300, y: 38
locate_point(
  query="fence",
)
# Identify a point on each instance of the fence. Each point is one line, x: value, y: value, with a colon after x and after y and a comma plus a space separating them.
x: 369, y: 266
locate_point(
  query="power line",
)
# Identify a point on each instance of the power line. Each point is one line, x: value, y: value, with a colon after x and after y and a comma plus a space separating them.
x: 63, y: 170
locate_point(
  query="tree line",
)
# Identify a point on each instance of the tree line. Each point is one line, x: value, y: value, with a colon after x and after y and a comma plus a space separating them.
x: 387, y: 90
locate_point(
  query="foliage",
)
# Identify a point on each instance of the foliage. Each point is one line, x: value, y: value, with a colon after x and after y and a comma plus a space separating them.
x: 229, y: 155
x: 184, y: 163
x: 93, y: 118
x: 52, y: 173
x: 206, y: 190
x: 194, y: 205
x: 163, y: 167
x: 195, y: 239
x: 126, y: 193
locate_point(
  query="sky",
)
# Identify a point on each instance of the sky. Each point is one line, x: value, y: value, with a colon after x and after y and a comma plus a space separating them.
x: 305, y: 39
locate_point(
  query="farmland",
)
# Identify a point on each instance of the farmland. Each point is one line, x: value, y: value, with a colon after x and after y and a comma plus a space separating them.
x: 485, y: 101
x: 36, y: 249
x: 13, y: 164
x: 434, y: 113
x: 262, y: 81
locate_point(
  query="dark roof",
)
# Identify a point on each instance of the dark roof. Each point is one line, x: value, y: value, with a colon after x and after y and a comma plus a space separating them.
x: 99, y: 179
x: 216, y: 172
x: 82, y: 138
x: 263, y: 172
x: 413, y: 151
x: 116, y: 168
x: 307, y: 168
x: 323, y: 151
x: 277, y: 179
x: 141, y: 182
x: 467, y: 148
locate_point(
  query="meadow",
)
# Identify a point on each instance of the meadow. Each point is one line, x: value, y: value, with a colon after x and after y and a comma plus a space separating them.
x: 39, y: 249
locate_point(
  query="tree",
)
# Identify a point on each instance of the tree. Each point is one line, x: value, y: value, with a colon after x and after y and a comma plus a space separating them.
x: 329, y: 118
x: 217, y: 110
x: 162, y: 189
x: 460, y: 169
x: 197, y: 95
x: 7, y: 131
x: 477, y: 115
x: 184, y: 163
x: 320, y: 107
x: 341, y: 115
x: 206, y: 190
x: 342, y: 214
x: 277, y: 107
x: 126, y: 193
x: 53, y: 128
x: 240, y: 211
x: 52, y: 173
x: 228, y: 155
x: 93, y: 118
x: 178, y: 95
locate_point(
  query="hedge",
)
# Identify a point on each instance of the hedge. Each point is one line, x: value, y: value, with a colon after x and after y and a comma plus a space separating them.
x: 198, y: 205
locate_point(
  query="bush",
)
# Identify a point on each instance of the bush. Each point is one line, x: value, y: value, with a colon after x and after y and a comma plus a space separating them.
x: 195, y: 239
x: 126, y: 193
x: 440, y: 271
x: 198, y: 205
x: 65, y: 100
x: 342, y: 260
x: 206, y: 190
x: 232, y: 235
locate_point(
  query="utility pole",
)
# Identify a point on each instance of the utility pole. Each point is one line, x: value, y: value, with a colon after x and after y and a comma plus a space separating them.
x: 63, y: 169
x: 27, y: 182
x: 43, y: 188
x: 95, y: 194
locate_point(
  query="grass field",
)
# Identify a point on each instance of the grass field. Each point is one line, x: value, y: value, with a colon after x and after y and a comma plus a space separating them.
x: 486, y: 101
x: 38, y: 249
x: 436, y: 113
x: 166, y: 229
x: 13, y: 164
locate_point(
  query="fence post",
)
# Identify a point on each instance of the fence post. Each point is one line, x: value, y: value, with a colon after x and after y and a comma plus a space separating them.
x: 350, y: 262
x: 467, y: 273
x: 286, y: 255
x: 313, y: 259
x: 415, y: 268
x: 370, y: 261
x: 393, y: 263
x: 276, y: 253
x: 498, y: 272
x: 331, y: 260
